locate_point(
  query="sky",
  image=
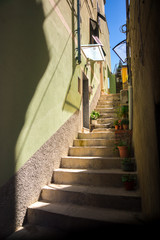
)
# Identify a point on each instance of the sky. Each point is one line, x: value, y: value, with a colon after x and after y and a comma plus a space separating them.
x: 115, y: 11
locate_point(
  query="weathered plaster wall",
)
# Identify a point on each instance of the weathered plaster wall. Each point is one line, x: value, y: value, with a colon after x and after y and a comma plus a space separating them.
x: 39, y: 74
x: 39, y: 96
x: 25, y: 186
x: 144, y: 31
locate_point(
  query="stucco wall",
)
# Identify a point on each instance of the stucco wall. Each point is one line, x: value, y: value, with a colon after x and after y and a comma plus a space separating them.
x: 144, y: 32
x: 39, y: 74
x: 39, y: 97
x: 24, y: 187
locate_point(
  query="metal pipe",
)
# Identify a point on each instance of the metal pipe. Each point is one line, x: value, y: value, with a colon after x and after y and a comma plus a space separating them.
x: 78, y: 30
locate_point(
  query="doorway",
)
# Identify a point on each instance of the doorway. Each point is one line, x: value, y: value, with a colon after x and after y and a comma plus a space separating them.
x: 85, y: 102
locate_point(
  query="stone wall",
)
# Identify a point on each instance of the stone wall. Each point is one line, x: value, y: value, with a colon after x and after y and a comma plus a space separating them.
x: 144, y: 33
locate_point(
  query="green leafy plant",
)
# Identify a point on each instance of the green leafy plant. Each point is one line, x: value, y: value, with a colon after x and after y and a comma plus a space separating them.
x: 124, y: 111
x: 127, y: 160
x: 118, y: 112
x: 129, y: 181
x: 129, y: 178
x: 94, y: 115
x: 123, y: 148
x: 120, y: 143
x: 128, y: 164
x: 116, y: 123
x: 125, y: 121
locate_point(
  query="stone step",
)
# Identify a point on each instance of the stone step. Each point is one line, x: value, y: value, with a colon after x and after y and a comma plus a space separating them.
x: 36, y: 232
x: 91, y: 162
x: 109, y: 134
x: 106, y: 115
x: 104, y: 125
x: 111, y: 94
x: 106, y: 120
x: 93, y: 142
x: 104, y: 110
x: 92, y: 196
x: 108, y: 104
x: 102, y: 177
x: 106, y: 101
x: 100, y: 130
x: 110, y: 97
x: 114, y: 102
x: 71, y: 217
x: 100, y: 151
x: 105, y: 104
x: 110, y: 109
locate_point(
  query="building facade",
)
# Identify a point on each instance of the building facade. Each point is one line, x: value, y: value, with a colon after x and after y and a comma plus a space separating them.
x: 45, y: 92
x: 144, y: 38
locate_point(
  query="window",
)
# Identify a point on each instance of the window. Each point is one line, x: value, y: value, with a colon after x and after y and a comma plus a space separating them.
x: 94, y: 30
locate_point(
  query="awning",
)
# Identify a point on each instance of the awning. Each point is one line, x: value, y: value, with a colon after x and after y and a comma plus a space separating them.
x: 120, y: 50
x: 93, y: 52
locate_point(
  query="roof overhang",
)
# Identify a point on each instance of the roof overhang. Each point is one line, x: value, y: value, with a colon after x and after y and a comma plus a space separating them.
x: 93, y: 52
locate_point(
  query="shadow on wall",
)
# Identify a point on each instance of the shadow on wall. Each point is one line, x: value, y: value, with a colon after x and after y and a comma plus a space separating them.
x: 72, y: 99
x: 23, y: 60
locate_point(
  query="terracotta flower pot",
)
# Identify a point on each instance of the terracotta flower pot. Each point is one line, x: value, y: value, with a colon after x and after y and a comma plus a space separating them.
x: 94, y: 122
x: 116, y: 127
x: 129, y: 185
x: 125, y: 126
x: 123, y: 151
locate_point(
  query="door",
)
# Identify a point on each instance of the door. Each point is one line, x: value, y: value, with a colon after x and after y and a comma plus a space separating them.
x: 85, y: 102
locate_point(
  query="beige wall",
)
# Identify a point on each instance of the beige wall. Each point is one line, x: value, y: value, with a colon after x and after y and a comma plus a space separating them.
x: 144, y: 32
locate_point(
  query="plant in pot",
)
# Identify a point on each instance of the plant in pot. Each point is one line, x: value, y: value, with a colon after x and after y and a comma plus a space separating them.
x: 94, y: 116
x: 123, y: 149
x: 129, y: 181
x: 124, y: 111
x: 119, y: 112
x: 116, y: 124
x: 125, y: 123
x: 120, y: 124
x: 128, y: 164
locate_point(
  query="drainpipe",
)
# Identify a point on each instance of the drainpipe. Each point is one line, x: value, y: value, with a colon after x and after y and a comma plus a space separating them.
x: 130, y: 88
x: 78, y: 30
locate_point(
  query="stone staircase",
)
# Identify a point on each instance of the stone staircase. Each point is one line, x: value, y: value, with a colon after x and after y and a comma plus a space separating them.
x: 86, y: 191
x: 106, y: 106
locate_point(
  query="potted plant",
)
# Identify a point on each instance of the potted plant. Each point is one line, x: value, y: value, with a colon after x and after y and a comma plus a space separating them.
x: 125, y: 123
x: 123, y: 149
x: 120, y: 124
x: 118, y: 112
x: 94, y: 116
x: 124, y: 111
x: 116, y: 124
x: 129, y: 181
x: 128, y: 164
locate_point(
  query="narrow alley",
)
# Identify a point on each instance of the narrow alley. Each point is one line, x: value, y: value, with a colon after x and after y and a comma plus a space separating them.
x: 80, y: 142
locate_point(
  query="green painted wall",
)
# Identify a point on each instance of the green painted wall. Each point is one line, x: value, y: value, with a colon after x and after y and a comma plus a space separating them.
x: 39, y: 75
x: 112, y: 79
